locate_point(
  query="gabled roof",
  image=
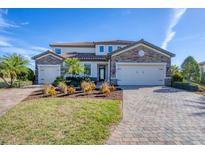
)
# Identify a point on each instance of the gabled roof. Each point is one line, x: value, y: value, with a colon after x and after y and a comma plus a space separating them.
x: 45, y: 53
x: 91, y: 44
x: 145, y: 43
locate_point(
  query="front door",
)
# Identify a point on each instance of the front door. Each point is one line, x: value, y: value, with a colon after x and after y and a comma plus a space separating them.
x: 101, y: 73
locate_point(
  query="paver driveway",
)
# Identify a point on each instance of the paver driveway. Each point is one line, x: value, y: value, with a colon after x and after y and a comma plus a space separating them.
x: 10, y: 97
x: 160, y: 115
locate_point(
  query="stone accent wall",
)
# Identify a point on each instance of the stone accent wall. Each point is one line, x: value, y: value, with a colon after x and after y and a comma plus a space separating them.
x: 47, y: 60
x: 132, y: 55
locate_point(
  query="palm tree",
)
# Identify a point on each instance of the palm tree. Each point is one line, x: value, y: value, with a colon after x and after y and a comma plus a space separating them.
x: 73, y: 66
x: 11, y: 66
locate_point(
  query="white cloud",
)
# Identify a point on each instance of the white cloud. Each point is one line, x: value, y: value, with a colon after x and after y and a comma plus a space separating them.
x: 24, y: 23
x: 5, y: 42
x: 5, y: 23
x: 177, y: 14
x: 36, y: 48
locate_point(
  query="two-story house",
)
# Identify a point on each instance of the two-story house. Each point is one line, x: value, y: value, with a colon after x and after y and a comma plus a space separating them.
x: 120, y: 62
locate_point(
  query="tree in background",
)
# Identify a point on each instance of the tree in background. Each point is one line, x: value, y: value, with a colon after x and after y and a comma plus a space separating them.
x: 73, y: 66
x: 12, y: 66
x: 191, y: 69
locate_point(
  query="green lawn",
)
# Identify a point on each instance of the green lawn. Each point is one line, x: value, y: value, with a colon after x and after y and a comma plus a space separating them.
x: 60, y: 121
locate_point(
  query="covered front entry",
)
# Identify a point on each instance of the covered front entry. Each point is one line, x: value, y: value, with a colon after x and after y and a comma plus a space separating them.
x: 140, y: 73
x: 48, y: 73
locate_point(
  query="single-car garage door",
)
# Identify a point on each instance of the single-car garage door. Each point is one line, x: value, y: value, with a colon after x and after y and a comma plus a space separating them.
x: 48, y: 73
x: 140, y: 74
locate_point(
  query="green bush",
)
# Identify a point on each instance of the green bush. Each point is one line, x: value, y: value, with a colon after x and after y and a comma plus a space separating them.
x: 24, y: 76
x: 30, y: 75
x: 76, y: 81
x: 186, y: 86
x: 58, y: 80
x: 177, y: 77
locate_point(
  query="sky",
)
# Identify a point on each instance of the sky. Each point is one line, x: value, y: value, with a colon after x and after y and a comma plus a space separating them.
x: 30, y: 31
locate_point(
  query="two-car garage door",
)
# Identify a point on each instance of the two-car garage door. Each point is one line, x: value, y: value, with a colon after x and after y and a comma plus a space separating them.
x: 140, y: 74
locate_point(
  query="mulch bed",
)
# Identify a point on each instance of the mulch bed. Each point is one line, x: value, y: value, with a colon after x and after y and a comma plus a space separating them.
x: 115, y: 95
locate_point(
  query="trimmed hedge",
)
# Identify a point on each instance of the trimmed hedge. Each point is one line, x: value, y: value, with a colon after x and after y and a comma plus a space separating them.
x: 186, y: 86
x: 76, y: 81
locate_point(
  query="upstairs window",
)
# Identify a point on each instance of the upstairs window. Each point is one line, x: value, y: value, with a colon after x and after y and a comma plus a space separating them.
x: 87, y: 69
x: 58, y: 51
x: 101, y: 48
x: 109, y: 48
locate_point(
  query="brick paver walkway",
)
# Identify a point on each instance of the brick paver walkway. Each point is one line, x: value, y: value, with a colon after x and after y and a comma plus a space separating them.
x: 10, y: 97
x: 160, y: 115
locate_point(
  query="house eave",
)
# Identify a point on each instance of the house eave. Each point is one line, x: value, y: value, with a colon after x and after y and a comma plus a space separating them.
x: 146, y: 44
x: 47, y: 53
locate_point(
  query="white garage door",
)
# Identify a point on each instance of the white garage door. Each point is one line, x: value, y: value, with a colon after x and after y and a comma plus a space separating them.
x: 140, y: 74
x: 48, y: 73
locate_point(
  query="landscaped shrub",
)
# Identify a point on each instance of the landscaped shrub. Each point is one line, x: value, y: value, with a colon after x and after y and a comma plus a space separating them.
x: 58, y: 80
x: 105, y: 88
x: 112, y: 88
x: 201, y: 88
x: 52, y: 91
x: 46, y: 89
x: 177, y: 77
x: 71, y: 90
x: 63, y: 87
x: 86, y: 87
x: 92, y: 84
x: 186, y: 86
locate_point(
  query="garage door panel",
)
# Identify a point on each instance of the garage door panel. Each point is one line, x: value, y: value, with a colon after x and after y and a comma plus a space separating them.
x: 140, y: 74
x: 47, y: 74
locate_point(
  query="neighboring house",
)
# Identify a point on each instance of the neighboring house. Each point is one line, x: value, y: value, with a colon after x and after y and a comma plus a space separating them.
x: 202, y: 65
x: 120, y: 62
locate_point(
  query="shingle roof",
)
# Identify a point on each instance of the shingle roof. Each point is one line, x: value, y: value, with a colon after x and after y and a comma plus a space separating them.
x: 80, y: 56
x: 146, y: 43
x: 91, y: 44
x: 86, y: 56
